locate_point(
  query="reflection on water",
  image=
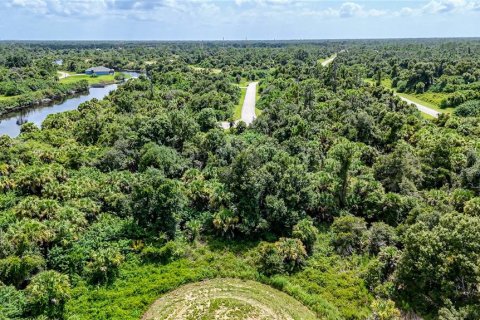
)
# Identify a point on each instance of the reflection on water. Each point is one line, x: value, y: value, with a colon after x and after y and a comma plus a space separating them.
x: 10, y: 123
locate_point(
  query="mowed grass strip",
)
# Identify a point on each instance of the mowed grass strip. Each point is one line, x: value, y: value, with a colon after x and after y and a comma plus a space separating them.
x: 237, y: 114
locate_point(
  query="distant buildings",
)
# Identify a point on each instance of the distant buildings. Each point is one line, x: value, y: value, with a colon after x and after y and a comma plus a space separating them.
x: 99, y: 71
x: 58, y: 62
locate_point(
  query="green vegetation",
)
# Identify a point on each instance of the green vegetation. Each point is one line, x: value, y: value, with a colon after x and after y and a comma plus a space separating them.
x: 103, y: 79
x: 237, y: 114
x: 339, y: 194
x: 428, y: 99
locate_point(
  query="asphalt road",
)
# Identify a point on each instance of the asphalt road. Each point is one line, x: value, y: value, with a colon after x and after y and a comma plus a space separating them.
x: 421, y: 107
x: 248, y: 107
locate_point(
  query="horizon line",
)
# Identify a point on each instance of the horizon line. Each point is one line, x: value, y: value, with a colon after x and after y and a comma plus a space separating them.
x: 238, y: 40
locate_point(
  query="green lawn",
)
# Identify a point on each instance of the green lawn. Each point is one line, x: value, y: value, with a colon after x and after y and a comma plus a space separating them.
x: 91, y: 80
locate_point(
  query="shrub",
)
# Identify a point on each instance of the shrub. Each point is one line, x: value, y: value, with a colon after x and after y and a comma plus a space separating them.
x: 472, y: 207
x: 306, y: 232
x: 293, y: 253
x: 286, y: 255
x: 468, y: 109
x: 169, y: 252
x: 47, y: 294
x: 12, y: 302
x: 384, y: 310
x: 380, y: 235
x: 270, y: 260
x: 103, y: 265
x: 347, y: 234
x: 15, y: 270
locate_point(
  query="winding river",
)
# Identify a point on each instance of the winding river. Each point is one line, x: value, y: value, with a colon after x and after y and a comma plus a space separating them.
x: 10, y: 123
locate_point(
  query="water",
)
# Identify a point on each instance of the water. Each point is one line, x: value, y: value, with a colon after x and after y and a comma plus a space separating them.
x: 11, y: 122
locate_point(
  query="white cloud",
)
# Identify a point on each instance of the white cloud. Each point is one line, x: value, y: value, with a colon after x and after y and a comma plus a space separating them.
x: 232, y: 9
x: 264, y: 2
x: 140, y: 9
x: 442, y: 7
x: 350, y: 9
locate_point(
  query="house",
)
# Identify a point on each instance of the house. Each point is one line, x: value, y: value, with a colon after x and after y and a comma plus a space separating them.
x: 99, y: 71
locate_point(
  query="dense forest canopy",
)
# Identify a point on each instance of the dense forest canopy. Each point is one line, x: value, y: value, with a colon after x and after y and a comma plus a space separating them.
x: 339, y: 193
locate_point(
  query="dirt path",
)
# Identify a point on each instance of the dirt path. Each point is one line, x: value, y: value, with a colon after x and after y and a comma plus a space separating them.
x: 248, y: 108
x: 232, y: 299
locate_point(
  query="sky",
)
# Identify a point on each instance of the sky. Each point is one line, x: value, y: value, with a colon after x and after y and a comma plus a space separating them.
x: 236, y: 19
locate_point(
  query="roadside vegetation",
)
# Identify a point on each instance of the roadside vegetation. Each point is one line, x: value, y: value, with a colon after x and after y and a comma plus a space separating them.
x: 339, y: 194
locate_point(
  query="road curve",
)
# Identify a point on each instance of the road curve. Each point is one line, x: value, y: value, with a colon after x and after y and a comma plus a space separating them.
x: 248, y: 107
x: 421, y: 107
x: 329, y: 60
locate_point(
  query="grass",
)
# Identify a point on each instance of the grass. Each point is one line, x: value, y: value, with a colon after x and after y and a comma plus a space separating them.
x: 418, y: 98
x: 5, y: 98
x: 213, y: 70
x: 227, y: 299
x: 237, y: 113
x: 258, y: 112
x: 329, y: 285
x: 91, y: 80
x: 243, y: 82
x: 428, y: 99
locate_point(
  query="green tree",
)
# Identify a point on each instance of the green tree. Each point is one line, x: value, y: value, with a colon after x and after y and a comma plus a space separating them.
x: 440, y: 261
x: 157, y: 202
x: 348, y: 233
x: 306, y: 232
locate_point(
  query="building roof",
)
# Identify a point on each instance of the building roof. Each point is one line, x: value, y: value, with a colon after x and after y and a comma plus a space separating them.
x: 99, y: 69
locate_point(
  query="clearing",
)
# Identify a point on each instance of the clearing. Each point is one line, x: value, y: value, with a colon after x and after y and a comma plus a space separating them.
x: 107, y: 79
x: 226, y: 298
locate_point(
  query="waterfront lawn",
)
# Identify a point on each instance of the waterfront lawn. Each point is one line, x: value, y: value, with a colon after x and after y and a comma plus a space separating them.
x: 91, y: 80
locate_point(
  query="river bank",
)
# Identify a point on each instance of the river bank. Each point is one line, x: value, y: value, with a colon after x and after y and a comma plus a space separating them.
x: 11, y: 122
x: 65, y: 90
x: 42, y: 97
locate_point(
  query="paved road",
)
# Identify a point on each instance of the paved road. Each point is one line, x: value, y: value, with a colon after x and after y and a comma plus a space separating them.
x: 329, y: 60
x: 248, y: 108
x: 421, y: 107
